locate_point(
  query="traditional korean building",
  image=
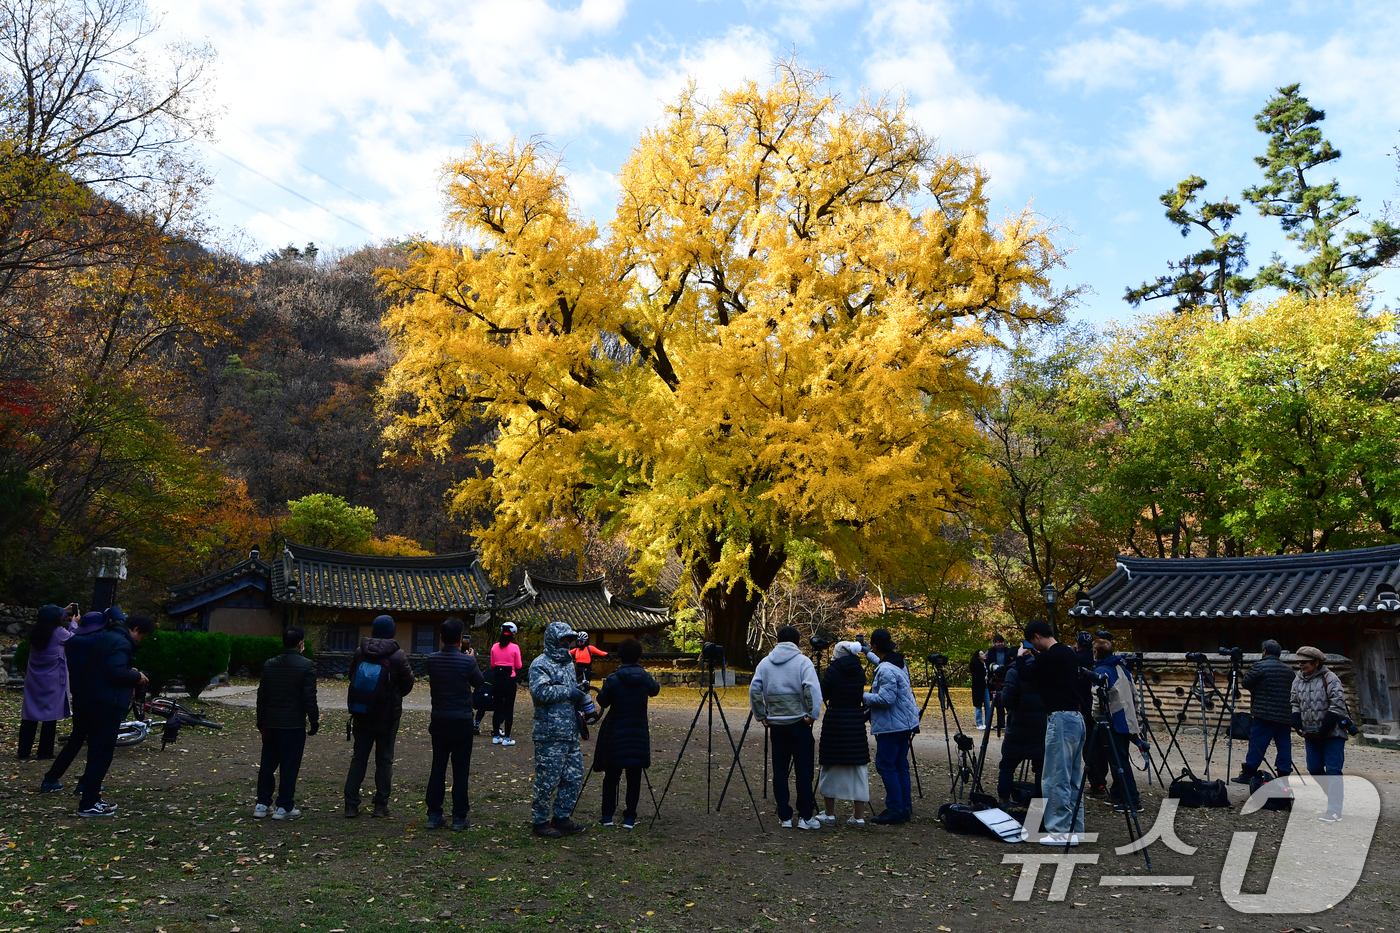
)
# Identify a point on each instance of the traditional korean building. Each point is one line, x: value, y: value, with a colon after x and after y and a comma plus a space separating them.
x: 587, y: 605
x: 1343, y: 602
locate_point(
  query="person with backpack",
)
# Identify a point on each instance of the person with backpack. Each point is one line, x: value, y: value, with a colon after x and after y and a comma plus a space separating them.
x: 1319, y: 707
x: 287, y: 714
x: 103, y: 677
x: 46, y: 680
x: 452, y: 673
x: 624, y: 737
x: 558, y: 751
x: 505, y: 668
x: 894, y: 716
x: 583, y: 656
x: 380, y: 677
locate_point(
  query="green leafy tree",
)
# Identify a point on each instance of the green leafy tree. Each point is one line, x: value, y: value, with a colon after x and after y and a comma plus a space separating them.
x: 1210, y: 278
x: 1314, y: 215
x: 324, y: 520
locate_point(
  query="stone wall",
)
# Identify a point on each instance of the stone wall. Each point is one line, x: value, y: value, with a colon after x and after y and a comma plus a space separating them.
x: 16, y: 621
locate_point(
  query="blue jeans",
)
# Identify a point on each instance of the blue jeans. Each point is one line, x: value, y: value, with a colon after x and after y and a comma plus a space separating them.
x: 1261, y: 733
x: 892, y: 763
x: 983, y: 708
x: 1064, y: 744
x: 1326, y: 757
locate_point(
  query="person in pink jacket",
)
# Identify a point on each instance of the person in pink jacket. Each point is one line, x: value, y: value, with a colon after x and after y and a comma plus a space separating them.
x: 505, y: 665
x: 46, y: 680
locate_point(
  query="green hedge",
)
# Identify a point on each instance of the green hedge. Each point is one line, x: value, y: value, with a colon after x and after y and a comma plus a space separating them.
x: 21, y: 661
x: 191, y: 659
x: 249, y: 653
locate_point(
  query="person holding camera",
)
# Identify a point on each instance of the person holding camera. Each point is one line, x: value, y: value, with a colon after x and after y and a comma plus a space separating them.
x: 999, y: 658
x: 844, y: 753
x: 1270, y: 685
x: 1025, y: 728
x: 46, y: 680
x: 452, y: 675
x: 981, y: 699
x: 1122, y: 719
x: 558, y: 751
x: 786, y: 699
x: 1319, y: 712
x: 624, y: 737
x: 894, y: 717
x: 286, y: 715
x: 1054, y: 671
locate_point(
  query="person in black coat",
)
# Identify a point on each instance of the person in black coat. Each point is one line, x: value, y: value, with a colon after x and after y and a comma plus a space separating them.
x: 981, y: 699
x: 624, y: 738
x: 844, y: 753
x: 1025, y: 728
x: 452, y: 674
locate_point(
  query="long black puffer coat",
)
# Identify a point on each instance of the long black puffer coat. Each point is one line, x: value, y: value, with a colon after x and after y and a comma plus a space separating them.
x: 624, y: 738
x: 1026, y: 717
x: 843, y: 725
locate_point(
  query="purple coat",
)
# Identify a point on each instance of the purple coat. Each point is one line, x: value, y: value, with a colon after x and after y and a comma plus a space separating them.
x: 46, y: 679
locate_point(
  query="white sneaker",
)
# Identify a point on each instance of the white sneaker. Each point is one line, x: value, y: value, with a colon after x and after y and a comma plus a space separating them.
x: 495, y: 740
x: 786, y: 824
x: 826, y: 819
x: 852, y: 821
x: 1331, y: 816
x: 813, y: 823
x: 981, y: 728
x: 507, y: 741
x: 260, y: 811
x: 283, y: 814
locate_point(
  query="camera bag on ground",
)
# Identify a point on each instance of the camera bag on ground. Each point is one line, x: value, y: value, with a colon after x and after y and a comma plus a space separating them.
x: 369, y: 687
x: 1194, y: 792
x: 1273, y: 803
x: 960, y: 818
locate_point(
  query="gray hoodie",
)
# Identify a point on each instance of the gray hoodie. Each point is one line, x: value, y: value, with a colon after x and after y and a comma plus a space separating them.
x: 785, y: 687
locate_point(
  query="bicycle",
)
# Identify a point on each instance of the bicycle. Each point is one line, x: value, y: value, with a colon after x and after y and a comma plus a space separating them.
x: 170, y: 714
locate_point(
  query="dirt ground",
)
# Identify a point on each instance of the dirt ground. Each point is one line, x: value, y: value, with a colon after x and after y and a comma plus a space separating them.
x: 184, y: 854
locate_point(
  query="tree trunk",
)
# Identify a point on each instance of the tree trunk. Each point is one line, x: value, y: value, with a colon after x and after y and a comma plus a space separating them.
x: 728, y: 612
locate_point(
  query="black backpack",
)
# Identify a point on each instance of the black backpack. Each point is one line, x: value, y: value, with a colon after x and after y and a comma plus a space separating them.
x: 959, y: 818
x: 1193, y: 792
x: 1273, y: 803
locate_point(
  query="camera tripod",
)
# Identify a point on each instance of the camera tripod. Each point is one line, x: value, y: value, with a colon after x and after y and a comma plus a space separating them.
x: 1205, y: 693
x: 1103, y: 731
x: 710, y: 701
x: 966, y: 774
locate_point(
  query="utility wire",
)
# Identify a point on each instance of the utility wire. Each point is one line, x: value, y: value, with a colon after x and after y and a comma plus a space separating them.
x: 290, y: 191
x: 262, y: 211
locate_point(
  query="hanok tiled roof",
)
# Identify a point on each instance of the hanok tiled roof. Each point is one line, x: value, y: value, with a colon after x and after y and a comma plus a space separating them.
x: 1293, y: 585
x: 587, y: 605
x: 186, y: 597
x: 311, y: 576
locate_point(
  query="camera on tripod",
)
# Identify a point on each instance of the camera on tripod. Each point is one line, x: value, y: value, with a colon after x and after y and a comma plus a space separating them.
x: 712, y: 653
x: 1197, y: 656
x: 936, y: 659
x: 1236, y: 655
x: 818, y: 643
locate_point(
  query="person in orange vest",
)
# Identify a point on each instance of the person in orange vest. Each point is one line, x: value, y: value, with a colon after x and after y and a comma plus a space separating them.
x: 583, y: 654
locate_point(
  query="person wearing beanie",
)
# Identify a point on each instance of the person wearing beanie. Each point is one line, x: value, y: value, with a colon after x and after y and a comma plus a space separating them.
x: 786, y: 698
x: 894, y: 715
x: 374, y: 718
x: 46, y: 680
x: 1270, y: 685
x: 1319, y: 705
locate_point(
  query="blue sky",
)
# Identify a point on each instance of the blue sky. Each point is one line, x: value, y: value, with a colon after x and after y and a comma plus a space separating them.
x: 1086, y: 112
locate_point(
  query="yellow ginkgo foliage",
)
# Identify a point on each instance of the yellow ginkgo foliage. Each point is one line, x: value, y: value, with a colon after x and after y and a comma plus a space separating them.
x: 772, y: 342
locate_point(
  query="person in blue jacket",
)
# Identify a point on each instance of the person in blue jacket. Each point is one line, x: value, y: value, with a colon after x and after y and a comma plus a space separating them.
x: 894, y: 716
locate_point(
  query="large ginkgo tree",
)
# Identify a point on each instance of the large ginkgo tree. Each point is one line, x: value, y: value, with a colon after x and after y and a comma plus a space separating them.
x: 775, y: 340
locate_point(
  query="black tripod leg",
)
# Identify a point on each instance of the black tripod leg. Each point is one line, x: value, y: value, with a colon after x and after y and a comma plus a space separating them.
x: 667, y: 789
x: 914, y: 759
x: 742, y: 773
x: 1120, y: 785
x: 734, y: 763
x: 656, y: 807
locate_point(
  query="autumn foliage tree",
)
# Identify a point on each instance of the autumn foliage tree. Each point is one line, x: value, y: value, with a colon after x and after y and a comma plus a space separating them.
x: 771, y: 342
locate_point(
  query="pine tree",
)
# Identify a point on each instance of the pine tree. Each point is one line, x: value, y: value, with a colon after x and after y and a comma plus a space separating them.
x: 1212, y: 277
x: 1313, y: 215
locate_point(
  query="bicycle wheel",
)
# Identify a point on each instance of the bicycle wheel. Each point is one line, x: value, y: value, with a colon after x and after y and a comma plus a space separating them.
x: 132, y: 732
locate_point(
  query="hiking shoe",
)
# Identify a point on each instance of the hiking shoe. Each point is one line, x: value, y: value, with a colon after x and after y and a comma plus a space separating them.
x: 99, y: 809
x: 49, y: 787
x: 629, y: 822
x: 606, y: 821
x: 812, y: 823
x: 260, y: 811
x: 1331, y: 816
x: 786, y: 824
x: 507, y: 741
x: 352, y: 810
x: 1100, y: 791
x: 1121, y: 807
x: 852, y: 821
x: 568, y: 827
x: 282, y: 813
x: 435, y: 821
x: 885, y: 818
x: 460, y: 823
x: 546, y: 830
x: 381, y: 811
x: 496, y: 739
